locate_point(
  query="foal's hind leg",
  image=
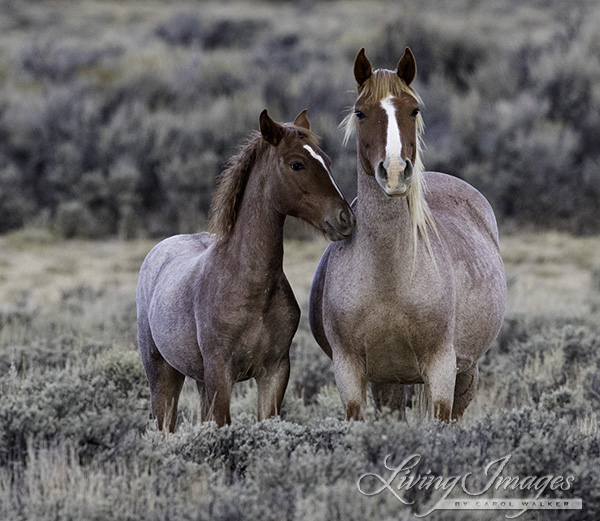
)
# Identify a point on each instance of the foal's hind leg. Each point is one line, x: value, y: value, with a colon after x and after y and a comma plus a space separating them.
x: 389, y: 395
x: 466, y: 385
x: 271, y: 389
x: 165, y: 381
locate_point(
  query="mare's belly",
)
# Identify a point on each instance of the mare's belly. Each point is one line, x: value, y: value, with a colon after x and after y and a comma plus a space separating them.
x: 391, y: 362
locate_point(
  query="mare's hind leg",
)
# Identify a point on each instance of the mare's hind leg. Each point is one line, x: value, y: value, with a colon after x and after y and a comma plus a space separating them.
x: 466, y: 385
x: 389, y: 395
x: 271, y: 389
x: 350, y: 378
x: 165, y: 388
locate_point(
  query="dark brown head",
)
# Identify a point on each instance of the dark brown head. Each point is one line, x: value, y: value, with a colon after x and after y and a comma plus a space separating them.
x: 302, y: 185
x: 298, y: 179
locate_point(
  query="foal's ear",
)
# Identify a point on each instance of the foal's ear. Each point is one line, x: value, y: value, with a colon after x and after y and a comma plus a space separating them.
x: 362, y: 68
x: 270, y: 130
x: 302, y: 120
x: 407, y: 67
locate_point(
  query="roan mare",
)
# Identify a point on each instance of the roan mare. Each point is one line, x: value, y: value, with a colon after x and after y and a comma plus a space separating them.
x: 417, y: 293
x: 217, y: 307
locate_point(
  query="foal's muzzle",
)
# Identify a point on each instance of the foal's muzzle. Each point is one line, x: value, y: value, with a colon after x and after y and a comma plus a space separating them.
x: 340, y: 224
x: 394, y: 177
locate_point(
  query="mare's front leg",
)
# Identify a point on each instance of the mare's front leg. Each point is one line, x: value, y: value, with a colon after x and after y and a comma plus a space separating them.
x: 351, y: 381
x: 271, y: 388
x: 440, y: 378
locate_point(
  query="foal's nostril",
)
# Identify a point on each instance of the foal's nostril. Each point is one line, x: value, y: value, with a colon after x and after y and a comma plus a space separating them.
x: 346, y: 218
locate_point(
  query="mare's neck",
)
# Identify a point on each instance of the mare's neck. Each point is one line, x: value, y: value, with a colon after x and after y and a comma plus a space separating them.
x: 254, y: 249
x: 383, y: 222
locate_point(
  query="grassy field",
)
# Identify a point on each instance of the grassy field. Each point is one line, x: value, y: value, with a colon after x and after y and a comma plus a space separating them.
x: 76, y: 441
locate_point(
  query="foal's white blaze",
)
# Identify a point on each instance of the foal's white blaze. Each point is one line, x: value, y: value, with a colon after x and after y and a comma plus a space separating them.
x: 393, y: 145
x: 322, y: 161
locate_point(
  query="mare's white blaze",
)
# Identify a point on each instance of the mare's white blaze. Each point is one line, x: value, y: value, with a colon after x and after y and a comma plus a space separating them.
x: 393, y: 145
x: 322, y: 161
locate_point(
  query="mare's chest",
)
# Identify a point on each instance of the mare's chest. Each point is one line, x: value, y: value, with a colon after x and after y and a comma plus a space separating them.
x: 387, y: 305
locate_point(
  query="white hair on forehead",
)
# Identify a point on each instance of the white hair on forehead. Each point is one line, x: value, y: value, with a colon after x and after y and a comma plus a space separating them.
x: 322, y: 161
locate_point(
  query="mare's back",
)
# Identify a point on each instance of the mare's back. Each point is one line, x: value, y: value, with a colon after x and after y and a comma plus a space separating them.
x: 461, y: 212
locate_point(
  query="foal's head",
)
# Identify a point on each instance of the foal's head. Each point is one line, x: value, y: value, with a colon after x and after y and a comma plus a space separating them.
x: 297, y: 180
x: 301, y: 182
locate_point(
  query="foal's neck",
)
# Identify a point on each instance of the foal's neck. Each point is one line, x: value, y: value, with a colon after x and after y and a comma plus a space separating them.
x: 254, y: 249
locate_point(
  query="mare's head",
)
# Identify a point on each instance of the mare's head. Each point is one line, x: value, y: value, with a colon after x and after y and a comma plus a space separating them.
x: 388, y: 124
x: 298, y: 179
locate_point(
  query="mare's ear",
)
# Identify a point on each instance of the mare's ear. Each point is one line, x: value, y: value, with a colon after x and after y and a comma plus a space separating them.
x: 407, y: 67
x: 302, y: 120
x: 362, y: 68
x: 270, y: 130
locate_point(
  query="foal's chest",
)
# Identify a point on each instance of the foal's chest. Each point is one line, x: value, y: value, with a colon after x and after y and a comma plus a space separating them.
x: 259, y: 332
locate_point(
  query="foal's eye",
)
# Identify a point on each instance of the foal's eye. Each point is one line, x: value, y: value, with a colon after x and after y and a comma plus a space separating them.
x: 415, y: 112
x: 359, y: 114
x: 297, y: 166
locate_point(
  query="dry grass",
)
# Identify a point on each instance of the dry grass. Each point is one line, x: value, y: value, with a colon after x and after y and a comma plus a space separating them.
x: 549, y: 274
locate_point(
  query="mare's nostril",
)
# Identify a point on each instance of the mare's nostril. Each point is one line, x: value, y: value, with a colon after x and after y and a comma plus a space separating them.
x: 381, y: 171
x: 408, y: 170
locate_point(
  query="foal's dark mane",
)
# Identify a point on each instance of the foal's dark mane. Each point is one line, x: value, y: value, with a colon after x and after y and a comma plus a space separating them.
x: 232, y: 182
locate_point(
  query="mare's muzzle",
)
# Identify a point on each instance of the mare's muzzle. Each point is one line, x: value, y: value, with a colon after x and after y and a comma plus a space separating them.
x: 394, y: 177
x: 340, y: 224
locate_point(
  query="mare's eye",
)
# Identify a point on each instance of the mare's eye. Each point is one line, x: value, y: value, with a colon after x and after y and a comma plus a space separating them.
x: 297, y: 166
x: 415, y: 112
x: 359, y: 114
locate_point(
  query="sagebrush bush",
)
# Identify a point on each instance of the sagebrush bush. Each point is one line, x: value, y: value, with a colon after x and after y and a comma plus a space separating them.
x: 170, y: 96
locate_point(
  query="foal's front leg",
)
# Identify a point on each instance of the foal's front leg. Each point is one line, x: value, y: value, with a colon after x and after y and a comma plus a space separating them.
x: 271, y: 388
x: 215, y: 392
x: 390, y: 395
